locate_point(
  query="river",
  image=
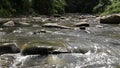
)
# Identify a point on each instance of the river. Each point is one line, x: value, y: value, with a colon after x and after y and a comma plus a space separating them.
x: 94, y: 48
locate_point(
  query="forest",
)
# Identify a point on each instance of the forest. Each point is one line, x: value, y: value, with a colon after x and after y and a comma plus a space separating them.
x: 11, y: 8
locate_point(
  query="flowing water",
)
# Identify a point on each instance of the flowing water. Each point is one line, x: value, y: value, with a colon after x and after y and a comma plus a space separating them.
x: 100, y: 46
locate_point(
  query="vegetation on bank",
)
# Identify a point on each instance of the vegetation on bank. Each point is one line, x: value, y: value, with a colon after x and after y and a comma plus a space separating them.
x: 114, y: 7
x: 10, y: 8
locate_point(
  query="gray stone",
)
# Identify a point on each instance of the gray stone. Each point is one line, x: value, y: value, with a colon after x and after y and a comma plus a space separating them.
x: 86, y: 24
x: 24, y: 24
x: 9, y: 23
x: 55, y: 25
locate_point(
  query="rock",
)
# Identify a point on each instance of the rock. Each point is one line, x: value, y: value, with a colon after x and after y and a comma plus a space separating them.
x: 36, y: 50
x: 44, y: 48
x: 56, y: 15
x: 62, y: 17
x: 81, y: 17
x: 99, y: 26
x: 82, y: 24
x: 82, y: 28
x: 9, y: 23
x: 55, y: 25
x: 110, y: 19
x: 40, y: 51
x: 24, y: 24
x: 9, y: 48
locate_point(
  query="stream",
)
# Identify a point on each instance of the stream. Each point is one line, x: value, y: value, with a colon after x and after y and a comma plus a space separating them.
x: 94, y: 48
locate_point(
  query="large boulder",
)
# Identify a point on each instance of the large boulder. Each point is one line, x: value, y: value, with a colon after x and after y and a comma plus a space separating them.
x: 110, y: 19
x: 9, y: 48
x: 55, y: 25
x: 9, y: 23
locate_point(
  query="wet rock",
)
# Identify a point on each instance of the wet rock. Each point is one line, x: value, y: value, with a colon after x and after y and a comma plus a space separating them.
x: 81, y: 17
x: 24, y: 24
x: 9, y: 48
x: 37, y: 50
x: 82, y: 24
x: 55, y: 25
x: 9, y: 23
x: 43, y: 50
x: 99, y: 26
x: 56, y: 15
x: 82, y: 27
x: 62, y: 17
x: 110, y: 19
x: 44, y: 47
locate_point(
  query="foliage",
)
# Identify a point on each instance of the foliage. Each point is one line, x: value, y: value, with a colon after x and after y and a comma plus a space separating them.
x: 10, y: 8
x: 20, y: 6
x: 5, y: 8
x: 82, y: 6
x: 48, y: 6
x: 107, y: 7
x: 113, y: 8
x: 101, y: 6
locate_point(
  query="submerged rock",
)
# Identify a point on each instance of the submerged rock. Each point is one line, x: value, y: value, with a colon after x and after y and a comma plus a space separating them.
x: 55, y: 25
x: 9, y: 48
x: 110, y: 19
x: 9, y: 23
x: 86, y: 24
